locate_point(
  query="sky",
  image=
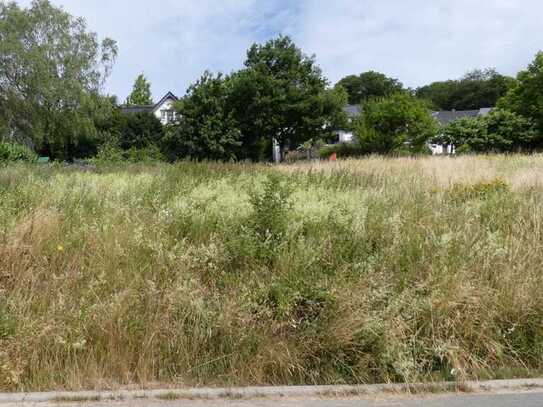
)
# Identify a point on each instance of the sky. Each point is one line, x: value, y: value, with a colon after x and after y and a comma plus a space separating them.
x: 416, y: 41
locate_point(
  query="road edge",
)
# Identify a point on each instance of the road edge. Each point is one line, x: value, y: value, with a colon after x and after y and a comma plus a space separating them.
x: 515, y: 385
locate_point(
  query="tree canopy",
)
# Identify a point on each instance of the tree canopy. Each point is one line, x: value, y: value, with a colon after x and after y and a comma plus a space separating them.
x: 526, y: 97
x: 280, y: 95
x: 477, y: 89
x: 395, y: 124
x: 51, y: 73
x: 206, y: 128
x: 141, y: 92
x: 369, y: 85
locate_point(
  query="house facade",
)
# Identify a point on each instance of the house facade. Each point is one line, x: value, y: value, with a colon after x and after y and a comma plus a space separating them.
x: 164, y: 110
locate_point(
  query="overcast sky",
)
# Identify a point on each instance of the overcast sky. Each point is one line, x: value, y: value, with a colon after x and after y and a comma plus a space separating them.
x: 416, y: 41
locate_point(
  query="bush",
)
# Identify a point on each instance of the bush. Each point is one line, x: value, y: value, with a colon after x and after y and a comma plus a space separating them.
x: 140, y: 131
x: 500, y: 131
x: 342, y: 150
x: 271, y: 206
x: 16, y: 152
x: 110, y: 153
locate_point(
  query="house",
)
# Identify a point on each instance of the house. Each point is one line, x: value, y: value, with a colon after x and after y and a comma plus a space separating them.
x: 163, y: 110
x: 443, y: 117
x: 352, y: 112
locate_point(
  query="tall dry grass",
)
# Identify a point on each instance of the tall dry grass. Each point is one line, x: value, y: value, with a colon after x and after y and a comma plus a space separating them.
x: 358, y: 271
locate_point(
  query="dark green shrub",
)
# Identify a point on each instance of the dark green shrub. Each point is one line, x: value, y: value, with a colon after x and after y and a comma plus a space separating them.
x: 342, y: 150
x: 141, y: 131
x: 110, y: 153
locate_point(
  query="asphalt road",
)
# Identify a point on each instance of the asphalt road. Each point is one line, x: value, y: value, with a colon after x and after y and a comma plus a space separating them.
x: 527, y: 399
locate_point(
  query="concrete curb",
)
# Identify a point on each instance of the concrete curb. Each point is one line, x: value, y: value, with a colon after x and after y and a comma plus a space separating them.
x: 500, y: 386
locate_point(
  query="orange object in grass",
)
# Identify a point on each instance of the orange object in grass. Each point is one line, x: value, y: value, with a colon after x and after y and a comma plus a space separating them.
x: 333, y: 157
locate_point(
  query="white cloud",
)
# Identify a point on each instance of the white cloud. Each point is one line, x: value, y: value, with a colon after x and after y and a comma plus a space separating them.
x: 416, y: 41
x: 419, y: 41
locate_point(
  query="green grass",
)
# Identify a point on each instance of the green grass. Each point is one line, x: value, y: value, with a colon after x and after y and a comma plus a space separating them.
x: 363, y: 271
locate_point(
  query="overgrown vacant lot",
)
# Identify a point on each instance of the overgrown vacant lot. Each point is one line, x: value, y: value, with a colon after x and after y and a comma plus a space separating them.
x: 360, y: 271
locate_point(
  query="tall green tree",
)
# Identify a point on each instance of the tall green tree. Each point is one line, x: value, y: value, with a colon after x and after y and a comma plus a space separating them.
x: 477, y: 89
x: 52, y: 70
x: 141, y: 92
x: 282, y: 95
x: 395, y: 124
x: 206, y: 127
x: 526, y: 98
x: 369, y: 85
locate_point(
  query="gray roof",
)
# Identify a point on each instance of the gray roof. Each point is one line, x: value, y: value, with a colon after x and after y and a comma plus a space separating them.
x: 167, y: 96
x: 352, y: 110
x: 127, y: 109
x: 445, y: 117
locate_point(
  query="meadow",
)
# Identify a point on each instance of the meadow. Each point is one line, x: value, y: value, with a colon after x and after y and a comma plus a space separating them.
x: 358, y: 271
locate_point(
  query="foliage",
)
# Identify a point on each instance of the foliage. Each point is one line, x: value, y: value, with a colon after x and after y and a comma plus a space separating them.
x: 459, y: 132
x: 206, y: 128
x: 526, y: 98
x: 281, y: 95
x: 15, y: 152
x: 399, y: 123
x: 51, y: 70
x: 141, y: 92
x: 238, y: 274
x: 110, y: 154
x: 479, y: 190
x: 343, y: 150
x: 369, y: 85
x: 269, y: 219
x: 475, y: 90
x: 140, y: 130
x: 500, y: 131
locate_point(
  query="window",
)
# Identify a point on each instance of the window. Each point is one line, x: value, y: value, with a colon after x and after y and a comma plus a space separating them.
x: 167, y: 116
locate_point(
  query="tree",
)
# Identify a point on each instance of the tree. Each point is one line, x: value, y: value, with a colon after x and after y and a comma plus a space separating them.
x: 206, y: 128
x: 500, y: 131
x: 141, y: 130
x: 526, y: 98
x: 369, y: 85
x: 141, y: 92
x: 440, y: 95
x: 477, y: 89
x: 282, y: 95
x: 51, y: 72
x: 398, y: 123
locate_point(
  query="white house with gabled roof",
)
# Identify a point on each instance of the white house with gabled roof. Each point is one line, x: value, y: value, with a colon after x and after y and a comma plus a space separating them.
x: 164, y: 110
